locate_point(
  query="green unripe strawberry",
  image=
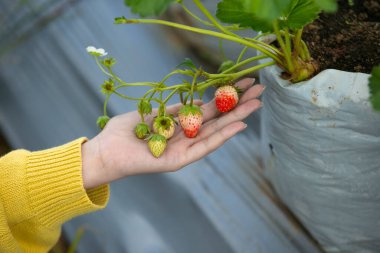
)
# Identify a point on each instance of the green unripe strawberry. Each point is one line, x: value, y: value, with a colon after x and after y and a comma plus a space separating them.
x: 157, y: 144
x: 164, y: 125
x: 190, y: 117
x: 102, y: 121
x: 144, y: 107
x: 142, y: 130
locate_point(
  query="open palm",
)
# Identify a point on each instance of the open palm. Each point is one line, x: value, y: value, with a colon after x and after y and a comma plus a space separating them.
x: 122, y: 154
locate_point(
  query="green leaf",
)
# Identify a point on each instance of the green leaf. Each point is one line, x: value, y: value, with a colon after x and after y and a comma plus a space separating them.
x: 260, y: 15
x: 327, y: 5
x: 299, y: 13
x: 374, y: 87
x: 187, y: 63
x: 226, y: 65
x: 147, y: 8
x: 236, y: 12
x: 268, y: 10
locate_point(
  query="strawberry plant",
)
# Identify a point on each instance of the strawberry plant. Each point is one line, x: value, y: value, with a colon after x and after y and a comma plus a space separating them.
x: 283, y: 18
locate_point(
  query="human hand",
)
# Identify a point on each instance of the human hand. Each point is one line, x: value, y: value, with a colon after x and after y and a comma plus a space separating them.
x: 116, y: 152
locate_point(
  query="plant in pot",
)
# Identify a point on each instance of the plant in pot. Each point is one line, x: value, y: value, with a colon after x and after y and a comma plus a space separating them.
x: 321, y: 135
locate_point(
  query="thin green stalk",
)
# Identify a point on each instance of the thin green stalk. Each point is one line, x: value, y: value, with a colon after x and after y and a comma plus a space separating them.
x: 126, y: 97
x: 288, y: 43
x: 241, y: 54
x: 243, y: 72
x: 205, y: 84
x: 297, y: 43
x: 221, y: 49
x: 124, y: 84
x: 101, y: 67
x: 170, y: 95
x: 192, y: 88
x: 289, y: 64
x: 74, y: 245
x: 105, y: 104
x: 207, y: 32
x: 255, y: 58
x: 267, y: 46
x: 306, y: 51
x: 174, y: 72
x: 211, y: 18
x: 114, y: 76
x: 230, y: 27
x: 195, y: 16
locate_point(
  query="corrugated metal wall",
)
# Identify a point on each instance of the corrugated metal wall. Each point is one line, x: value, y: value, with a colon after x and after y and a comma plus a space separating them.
x: 49, y: 94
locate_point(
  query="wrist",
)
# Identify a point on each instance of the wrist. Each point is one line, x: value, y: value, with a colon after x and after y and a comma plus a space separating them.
x: 91, y: 165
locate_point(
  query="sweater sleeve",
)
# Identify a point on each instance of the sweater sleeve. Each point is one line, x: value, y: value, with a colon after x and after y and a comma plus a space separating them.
x: 41, y: 190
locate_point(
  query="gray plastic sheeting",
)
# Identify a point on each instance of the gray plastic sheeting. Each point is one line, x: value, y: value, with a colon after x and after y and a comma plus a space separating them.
x: 325, y: 157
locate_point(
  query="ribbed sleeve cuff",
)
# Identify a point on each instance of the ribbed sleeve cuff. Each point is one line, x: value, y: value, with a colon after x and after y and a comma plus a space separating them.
x: 55, y: 185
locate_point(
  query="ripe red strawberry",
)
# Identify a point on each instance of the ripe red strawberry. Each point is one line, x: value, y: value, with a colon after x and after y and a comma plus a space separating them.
x: 226, y: 98
x: 157, y: 144
x: 190, y: 118
x: 164, y: 125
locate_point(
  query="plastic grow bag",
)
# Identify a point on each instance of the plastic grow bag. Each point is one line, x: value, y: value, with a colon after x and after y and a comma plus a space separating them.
x: 321, y: 142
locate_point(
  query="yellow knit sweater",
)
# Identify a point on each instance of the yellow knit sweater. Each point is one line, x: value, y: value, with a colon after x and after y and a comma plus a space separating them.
x: 39, y: 191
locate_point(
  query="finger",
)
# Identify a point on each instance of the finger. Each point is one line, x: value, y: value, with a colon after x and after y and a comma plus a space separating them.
x: 252, y: 93
x: 207, y: 145
x: 239, y: 113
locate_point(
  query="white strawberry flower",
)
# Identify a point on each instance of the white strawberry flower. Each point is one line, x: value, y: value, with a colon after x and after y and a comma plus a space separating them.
x: 96, y: 51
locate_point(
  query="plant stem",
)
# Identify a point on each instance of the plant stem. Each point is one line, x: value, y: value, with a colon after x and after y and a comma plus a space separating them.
x: 204, y: 85
x: 230, y: 27
x: 170, y: 95
x: 289, y: 64
x: 207, y: 32
x: 306, y: 51
x: 297, y: 44
x: 192, y: 88
x: 241, y: 54
x: 178, y: 71
x: 261, y: 43
x: 101, y: 67
x: 211, y: 18
x: 195, y: 16
x: 105, y: 104
x: 259, y: 57
x: 288, y: 42
x: 243, y: 72
x: 126, y: 97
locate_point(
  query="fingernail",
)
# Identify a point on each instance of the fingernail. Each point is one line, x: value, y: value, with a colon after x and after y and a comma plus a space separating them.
x: 261, y: 104
x: 252, y: 81
x: 243, y: 127
x: 262, y: 91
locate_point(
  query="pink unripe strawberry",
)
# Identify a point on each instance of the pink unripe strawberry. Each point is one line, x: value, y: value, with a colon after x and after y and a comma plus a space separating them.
x: 190, y: 118
x: 157, y: 144
x: 226, y: 98
x: 164, y: 125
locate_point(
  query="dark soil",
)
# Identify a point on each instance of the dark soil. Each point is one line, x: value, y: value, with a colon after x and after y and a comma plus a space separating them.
x: 348, y: 40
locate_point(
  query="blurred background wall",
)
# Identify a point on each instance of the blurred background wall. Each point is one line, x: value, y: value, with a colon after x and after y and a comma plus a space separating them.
x: 50, y: 94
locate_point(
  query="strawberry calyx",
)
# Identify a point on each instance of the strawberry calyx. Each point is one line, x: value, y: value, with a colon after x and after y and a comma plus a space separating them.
x: 164, y: 125
x: 142, y: 130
